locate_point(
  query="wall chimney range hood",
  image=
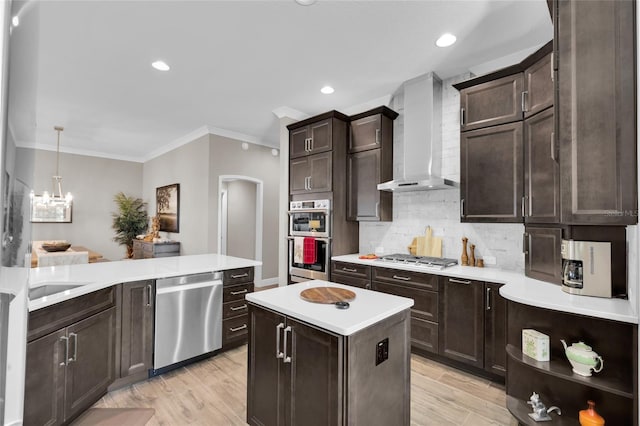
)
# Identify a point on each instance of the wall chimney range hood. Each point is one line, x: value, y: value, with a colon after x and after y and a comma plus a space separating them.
x: 422, y: 153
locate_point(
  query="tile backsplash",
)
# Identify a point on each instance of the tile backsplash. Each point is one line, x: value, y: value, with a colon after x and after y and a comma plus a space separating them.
x: 413, y: 211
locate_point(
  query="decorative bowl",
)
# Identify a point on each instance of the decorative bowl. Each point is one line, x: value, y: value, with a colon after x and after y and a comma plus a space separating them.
x: 56, y: 246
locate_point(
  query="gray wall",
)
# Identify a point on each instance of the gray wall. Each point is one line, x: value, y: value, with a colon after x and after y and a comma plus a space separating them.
x: 93, y: 181
x: 241, y: 219
x: 228, y: 158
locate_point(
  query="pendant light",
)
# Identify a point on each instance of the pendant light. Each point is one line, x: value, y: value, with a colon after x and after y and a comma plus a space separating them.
x: 57, y: 179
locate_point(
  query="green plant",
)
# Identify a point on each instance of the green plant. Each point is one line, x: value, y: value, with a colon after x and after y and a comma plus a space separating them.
x: 130, y: 221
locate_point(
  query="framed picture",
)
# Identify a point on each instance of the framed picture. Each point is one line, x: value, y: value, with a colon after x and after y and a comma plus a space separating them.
x: 168, y: 207
x: 50, y: 210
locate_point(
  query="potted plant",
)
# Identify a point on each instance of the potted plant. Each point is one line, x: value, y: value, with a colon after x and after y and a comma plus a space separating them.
x: 130, y: 221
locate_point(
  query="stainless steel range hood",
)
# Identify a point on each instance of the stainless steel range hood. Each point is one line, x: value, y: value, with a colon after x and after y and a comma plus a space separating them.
x: 422, y: 153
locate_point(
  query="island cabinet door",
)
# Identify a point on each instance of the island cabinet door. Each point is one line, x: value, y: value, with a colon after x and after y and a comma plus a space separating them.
x: 312, y: 374
x: 495, y: 335
x: 265, y: 388
x: 137, y: 327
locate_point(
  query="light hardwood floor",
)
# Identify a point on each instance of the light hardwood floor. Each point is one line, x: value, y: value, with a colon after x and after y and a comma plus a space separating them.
x: 213, y: 392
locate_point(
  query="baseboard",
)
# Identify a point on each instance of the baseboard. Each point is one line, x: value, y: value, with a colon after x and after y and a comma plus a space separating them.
x: 267, y: 282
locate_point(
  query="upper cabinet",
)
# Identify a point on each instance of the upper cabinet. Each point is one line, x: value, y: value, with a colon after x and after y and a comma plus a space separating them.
x: 597, y: 111
x: 493, y: 102
x: 538, y: 86
x: 311, y: 139
x: 370, y: 162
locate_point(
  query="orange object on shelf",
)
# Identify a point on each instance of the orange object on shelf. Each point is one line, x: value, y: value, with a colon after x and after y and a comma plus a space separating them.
x: 590, y: 417
x: 370, y: 256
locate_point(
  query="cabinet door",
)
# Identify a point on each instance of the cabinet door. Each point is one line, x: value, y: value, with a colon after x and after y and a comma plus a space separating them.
x: 543, y: 257
x: 541, y: 170
x: 538, y: 86
x: 320, y: 134
x: 462, y: 321
x: 298, y: 173
x: 495, y: 334
x: 366, y: 133
x: 320, y: 176
x: 138, y: 302
x: 491, y: 103
x: 597, y: 112
x: 265, y: 388
x: 44, y: 381
x: 313, y: 376
x: 363, y: 177
x: 298, y: 145
x: 491, y: 178
x: 91, y: 365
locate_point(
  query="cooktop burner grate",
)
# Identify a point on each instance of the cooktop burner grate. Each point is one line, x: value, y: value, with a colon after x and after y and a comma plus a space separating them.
x: 422, y: 261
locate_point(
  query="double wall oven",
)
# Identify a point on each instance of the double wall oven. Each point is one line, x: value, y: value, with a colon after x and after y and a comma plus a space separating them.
x: 309, y: 240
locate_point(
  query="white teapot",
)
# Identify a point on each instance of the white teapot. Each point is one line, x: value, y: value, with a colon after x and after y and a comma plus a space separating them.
x: 582, y: 358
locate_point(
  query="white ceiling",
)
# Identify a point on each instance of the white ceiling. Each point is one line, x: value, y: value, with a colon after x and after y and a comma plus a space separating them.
x: 85, y: 65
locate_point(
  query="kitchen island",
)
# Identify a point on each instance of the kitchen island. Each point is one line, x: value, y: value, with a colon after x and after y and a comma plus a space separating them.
x: 311, y: 363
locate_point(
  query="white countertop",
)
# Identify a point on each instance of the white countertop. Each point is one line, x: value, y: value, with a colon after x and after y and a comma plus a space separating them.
x: 96, y: 276
x: 519, y: 288
x: 368, y: 308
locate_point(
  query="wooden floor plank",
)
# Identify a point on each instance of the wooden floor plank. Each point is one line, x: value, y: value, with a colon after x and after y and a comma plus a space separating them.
x: 214, y: 391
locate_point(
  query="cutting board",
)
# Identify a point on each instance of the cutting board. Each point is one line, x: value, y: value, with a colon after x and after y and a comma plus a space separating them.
x: 427, y: 245
x: 327, y: 295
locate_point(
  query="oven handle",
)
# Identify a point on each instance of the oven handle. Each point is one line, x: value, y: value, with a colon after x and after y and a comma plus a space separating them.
x: 325, y: 211
x: 325, y: 239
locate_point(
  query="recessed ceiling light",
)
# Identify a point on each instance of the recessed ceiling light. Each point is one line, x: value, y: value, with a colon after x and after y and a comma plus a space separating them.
x: 305, y: 2
x: 15, y: 21
x: 446, y: 40
x: 327, y: 90
x: 160, y: 66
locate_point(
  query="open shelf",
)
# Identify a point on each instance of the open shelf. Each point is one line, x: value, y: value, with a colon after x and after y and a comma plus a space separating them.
x: 520, y: 410
x: 562, y: 369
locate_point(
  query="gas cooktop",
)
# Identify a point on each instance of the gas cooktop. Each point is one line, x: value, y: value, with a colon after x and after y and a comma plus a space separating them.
x: 421, y: 261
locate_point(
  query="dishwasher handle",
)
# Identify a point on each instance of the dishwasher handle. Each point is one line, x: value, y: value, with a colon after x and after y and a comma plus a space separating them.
x: 186, y: 287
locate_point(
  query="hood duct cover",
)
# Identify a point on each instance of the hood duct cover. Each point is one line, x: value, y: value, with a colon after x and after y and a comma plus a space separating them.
x: 422, y: 153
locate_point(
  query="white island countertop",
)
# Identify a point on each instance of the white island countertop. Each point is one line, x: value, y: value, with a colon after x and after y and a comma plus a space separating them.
x: 522, y: 289
x: 96, y: 276
x: 368, y: 307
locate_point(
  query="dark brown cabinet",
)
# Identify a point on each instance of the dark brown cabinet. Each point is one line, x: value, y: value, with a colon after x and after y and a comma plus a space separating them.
x: 149, y: 250
x: 538, y: 86
x: 300, y: 387
x: 542, y: 256
x: 311, y: 174
x: 137, y: 310
x: 423, y: 289
x: 597, y: 111
x: 491, y: 177
x: 370, y: 162
x: 311, y: 139
x: 351, y: 274
x: 495, y: 330
x: 69, y: 369
x: 493, y: 102
x: 237, y: 283
x: 541, y: 170
x: 462, y: 321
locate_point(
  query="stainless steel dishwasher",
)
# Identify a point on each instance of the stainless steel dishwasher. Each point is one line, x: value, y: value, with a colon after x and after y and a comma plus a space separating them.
x: 188, y: 317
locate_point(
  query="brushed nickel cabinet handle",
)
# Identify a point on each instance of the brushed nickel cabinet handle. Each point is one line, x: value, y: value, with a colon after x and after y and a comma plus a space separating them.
x: 286, y: 359
x: 149, y: 291
x: 75, y: 347
x: 310, y: 185
x: 349, y: 269
x: 488, y: 299
x: 453, y: 280
x: 551, y: 63
x: 238, y: 308
x: 523, y: 206
x: 377, y: 136
x: 377, y: 210
x: 462, y: 116
x: 525, y: 250
x: 242, y: 327
x: 462, y: 207
x: 310, y: 144
x: 235, y: 293
x: 553, y: 146
x: 523, y: 100
x: 399, y: 277
x: 278, y: 328
x: 65, y: 339
x: 240, y: 276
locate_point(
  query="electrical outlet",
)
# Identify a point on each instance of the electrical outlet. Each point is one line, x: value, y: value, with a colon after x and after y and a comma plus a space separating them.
x: 489, y: 260
x: 382, y: 351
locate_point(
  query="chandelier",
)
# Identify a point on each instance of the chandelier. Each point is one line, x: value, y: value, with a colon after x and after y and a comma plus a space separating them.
x: 57, y: 179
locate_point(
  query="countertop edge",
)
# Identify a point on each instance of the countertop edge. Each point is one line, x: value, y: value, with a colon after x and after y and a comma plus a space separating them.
x: 522, y: 289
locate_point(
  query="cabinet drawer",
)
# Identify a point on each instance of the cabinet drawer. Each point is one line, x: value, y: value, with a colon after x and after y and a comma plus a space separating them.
x: 54, y: 317
x: 348, y: 280
x: 233, y: 309
x: 351, y: 269
x: 424, y: 334
x: 165, y: 248
x: 235, y: 329
x: 236, y: 292
x: 237, y: 276
x: 397, y: 276
x: 425, y: 301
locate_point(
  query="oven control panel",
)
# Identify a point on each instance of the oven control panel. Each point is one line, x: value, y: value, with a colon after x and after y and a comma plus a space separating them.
x: 309, y: 204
